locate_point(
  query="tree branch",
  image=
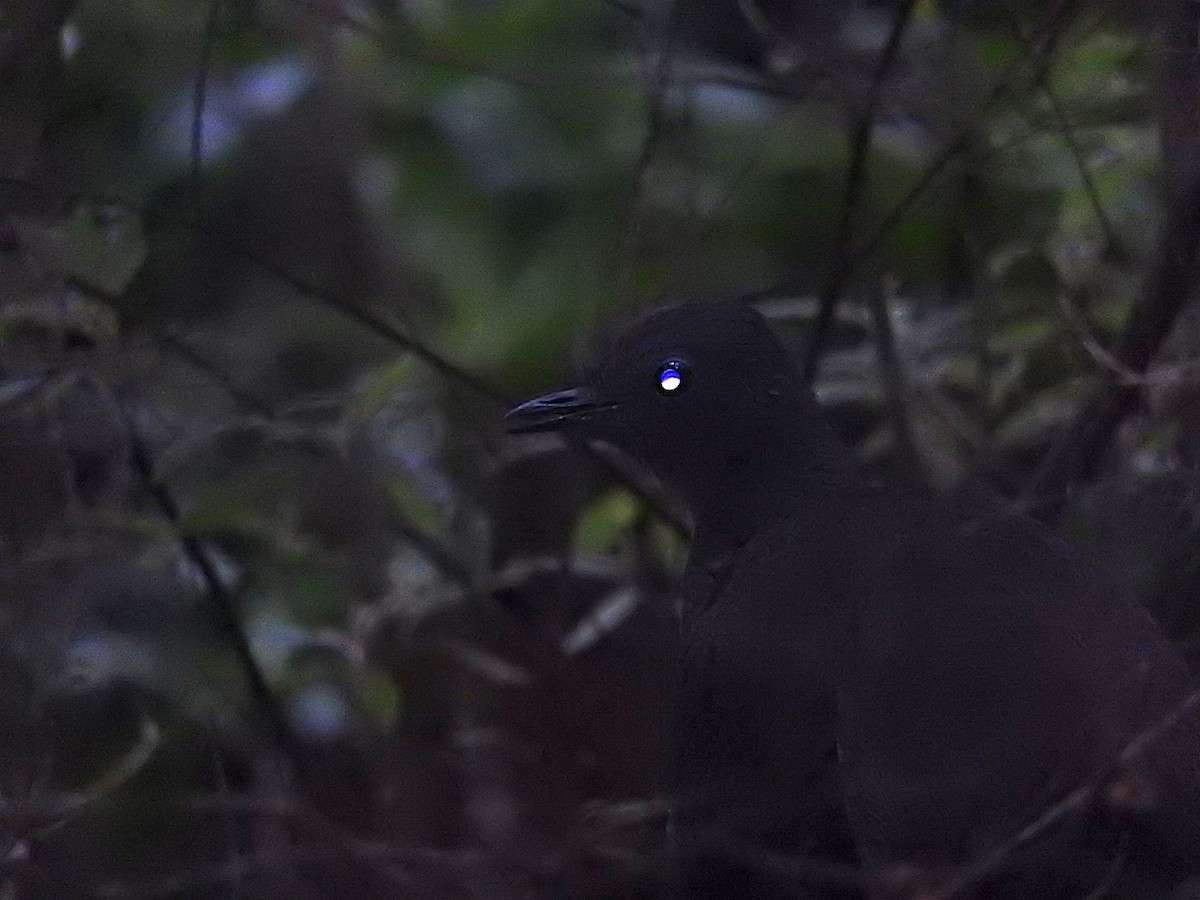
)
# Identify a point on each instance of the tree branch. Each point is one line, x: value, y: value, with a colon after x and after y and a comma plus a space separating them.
x: 220, y: 602
x: 1075, y: 455
x: 835, y: 282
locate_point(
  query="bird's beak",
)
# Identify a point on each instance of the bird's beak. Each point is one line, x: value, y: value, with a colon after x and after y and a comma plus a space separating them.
x: 551, y: 412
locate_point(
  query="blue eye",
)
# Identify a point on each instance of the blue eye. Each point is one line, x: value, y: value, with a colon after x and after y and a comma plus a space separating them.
x: 670, y: 377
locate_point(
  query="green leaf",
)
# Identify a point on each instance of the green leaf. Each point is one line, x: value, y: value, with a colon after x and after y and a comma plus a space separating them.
x: 102, y: 247
x: 380, y: 698
x: 603, y: 521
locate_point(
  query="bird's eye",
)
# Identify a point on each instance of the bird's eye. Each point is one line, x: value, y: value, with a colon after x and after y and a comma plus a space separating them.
x: 671, y: 376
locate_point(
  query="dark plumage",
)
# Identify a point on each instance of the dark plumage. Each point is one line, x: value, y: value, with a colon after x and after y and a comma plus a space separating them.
x: 962, y: 664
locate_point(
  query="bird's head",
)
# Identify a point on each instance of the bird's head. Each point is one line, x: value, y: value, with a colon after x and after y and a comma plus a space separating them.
x: 695, y: 391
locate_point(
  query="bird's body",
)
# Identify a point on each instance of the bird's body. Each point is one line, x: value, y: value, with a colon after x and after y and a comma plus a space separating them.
x: 964, y: 666
x: 740, y: 678
x: 993, y: 674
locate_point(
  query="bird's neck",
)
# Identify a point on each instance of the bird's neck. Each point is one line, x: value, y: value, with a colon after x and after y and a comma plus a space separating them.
x: 798, y: 467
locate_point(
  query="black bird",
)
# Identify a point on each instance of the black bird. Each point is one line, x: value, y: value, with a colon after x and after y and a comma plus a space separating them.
x: 963, y: 665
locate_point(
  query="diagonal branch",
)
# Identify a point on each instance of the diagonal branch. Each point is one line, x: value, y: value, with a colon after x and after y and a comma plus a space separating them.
x: 1072, y: 804
x: 658, y: 58
x: 1067, y: 133
x: 1040, y: 44
x: 220, y: 602
x: 217, y: 375
x: 1075, y: 455
x: 369, y: 320
x: 391, y: 333
x: 200, y: 91
x: 860, y: 146
x: 365, y: 317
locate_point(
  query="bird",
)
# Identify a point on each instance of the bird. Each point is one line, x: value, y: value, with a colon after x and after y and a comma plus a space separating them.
x: 933, y: 686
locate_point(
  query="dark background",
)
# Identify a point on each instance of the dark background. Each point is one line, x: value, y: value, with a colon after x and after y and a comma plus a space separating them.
x: 283, y: 613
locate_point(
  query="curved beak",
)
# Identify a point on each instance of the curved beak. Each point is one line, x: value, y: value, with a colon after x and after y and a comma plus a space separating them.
x: 553, y: 411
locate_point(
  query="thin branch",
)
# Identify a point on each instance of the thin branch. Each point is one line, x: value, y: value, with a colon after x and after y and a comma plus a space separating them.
x: 1037, y: 53
x: 446, y: 561
x: 29, y: 819
x: 658, y: 57
x: 220, y: 377
x: 443, y: 557
x: 1033, y: 55
x: 382, y: 327
x: 894, y: 381
x: 762, y: 26
x: 1170, y: 283
x: 1078, y: 322
x: 200, y: 91
x: 630, y: 476
x: 704, y: 72
x: 854, y: 257
x: 370, y: 320
x: 221, y: 603
x: 437, y: 362
x: 1075, y: 802
x: 1066, y: 131
x: 859, y: 148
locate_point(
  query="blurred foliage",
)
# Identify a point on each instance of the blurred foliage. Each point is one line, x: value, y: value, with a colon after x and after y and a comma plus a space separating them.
x: 270, y: 271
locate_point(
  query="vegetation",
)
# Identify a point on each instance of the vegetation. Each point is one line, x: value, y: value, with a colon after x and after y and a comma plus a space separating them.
x: 285, y: 613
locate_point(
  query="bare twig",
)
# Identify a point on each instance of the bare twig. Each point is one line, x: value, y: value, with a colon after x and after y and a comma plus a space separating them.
x: 386, y: 330
x: 893, y: 378
x: 35, y: 819
x: 221, y: 603
x: 859, y: 148
x: 200, y: 91
x: 220, y: 377
x: 1075, y: 802
x: 307, y: 816
x: 1067, y: 133
x: 657, y: 60
x: 1040, y: 43
x: 1037, y: 51
x: 371, y: 320
x: 1075, y: 454
x: 439, y: 363
x: 443, y: 557
x: 1093, y: 346
x: 885, y: 879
